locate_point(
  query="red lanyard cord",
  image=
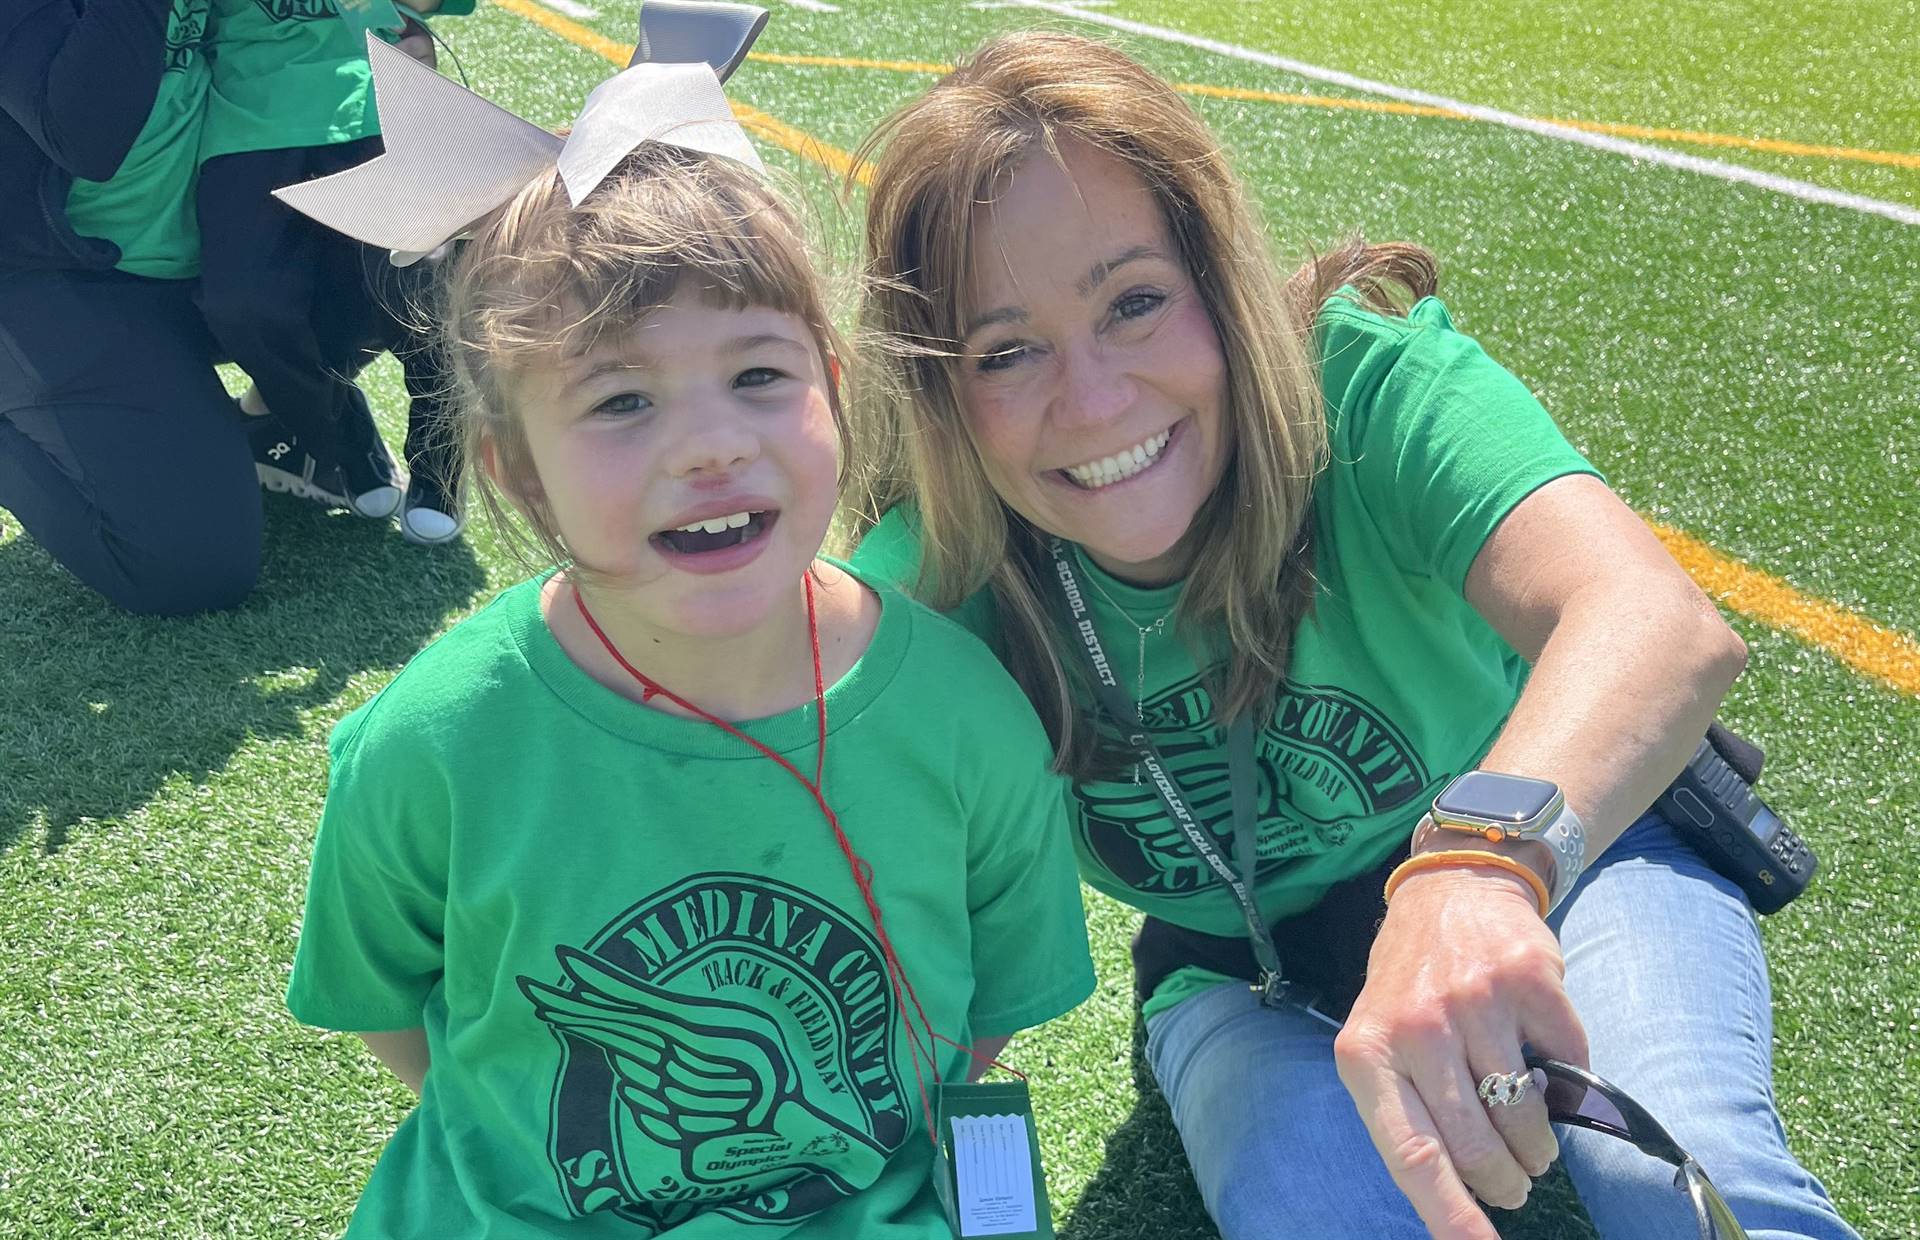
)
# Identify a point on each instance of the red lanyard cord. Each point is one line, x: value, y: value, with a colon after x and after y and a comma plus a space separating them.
x: 858, y: 865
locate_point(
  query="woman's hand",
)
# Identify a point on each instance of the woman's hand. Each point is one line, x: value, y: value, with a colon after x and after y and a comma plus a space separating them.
x: 1462, y: 973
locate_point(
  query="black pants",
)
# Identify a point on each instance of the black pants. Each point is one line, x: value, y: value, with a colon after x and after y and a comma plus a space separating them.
x: 301, y: 308
x: 120, y: 452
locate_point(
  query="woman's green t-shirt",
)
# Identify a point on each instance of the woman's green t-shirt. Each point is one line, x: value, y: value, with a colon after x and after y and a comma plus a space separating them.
x: 146, y: 207
x: 289, y: 73
x: 1395, y: 684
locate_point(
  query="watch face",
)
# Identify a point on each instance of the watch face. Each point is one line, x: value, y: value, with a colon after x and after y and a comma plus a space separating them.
x: 1495, y: 798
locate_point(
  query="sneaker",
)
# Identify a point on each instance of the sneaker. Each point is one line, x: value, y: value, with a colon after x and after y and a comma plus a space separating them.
x: 431, y: 514
x: 285, y: 466
x: 374, y: 480
x: 371, y: 487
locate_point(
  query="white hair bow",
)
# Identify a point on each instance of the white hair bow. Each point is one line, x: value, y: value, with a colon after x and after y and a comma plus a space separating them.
x: 452, y: 158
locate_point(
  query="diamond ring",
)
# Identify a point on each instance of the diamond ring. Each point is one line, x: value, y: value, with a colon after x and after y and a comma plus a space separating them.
x: 1504, y: 1089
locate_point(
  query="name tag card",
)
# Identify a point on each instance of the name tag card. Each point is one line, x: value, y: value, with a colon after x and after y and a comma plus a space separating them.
x: 989, y: 1177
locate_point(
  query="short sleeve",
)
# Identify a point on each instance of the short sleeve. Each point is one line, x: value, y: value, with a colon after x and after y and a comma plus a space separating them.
x: 370, y: 947
x: 1433, y: 438
x: 1030, y: 956
x: 891, y: 552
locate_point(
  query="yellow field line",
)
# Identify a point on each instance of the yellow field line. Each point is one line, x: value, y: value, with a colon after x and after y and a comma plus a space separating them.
x: 774, y: 130
x: 1776, y: 146
x: 802, y: 143
x: 1773, y: 146
x: 572, y: 31
x: 1318, y: 101
x: 619, y: 53
x: 1883, y: 653
x: 850, y: 62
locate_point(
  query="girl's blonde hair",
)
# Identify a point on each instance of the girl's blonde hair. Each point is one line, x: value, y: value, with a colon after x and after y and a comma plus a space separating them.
x: 1249, y: 581
x: 542, y: 280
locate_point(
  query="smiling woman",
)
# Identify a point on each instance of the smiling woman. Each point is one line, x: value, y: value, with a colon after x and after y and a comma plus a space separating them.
x: 1393, y: 584
x: 1113, y: 458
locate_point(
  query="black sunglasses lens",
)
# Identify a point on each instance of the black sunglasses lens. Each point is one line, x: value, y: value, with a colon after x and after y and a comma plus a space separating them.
x: 1568, y: 1100
x: 1709, y: 1207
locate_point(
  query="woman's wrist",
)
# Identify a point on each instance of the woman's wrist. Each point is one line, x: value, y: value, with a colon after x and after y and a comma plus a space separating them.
x: 1439, y: 851
x: 1468, y: 869
x: 1534, y: 854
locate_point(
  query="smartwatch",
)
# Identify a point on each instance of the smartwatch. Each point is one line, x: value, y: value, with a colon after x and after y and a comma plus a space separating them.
x: 1499, y: 807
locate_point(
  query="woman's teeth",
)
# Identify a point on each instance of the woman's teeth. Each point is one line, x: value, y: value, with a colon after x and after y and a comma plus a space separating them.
x: 1112, y: 469
x: 717, y: 525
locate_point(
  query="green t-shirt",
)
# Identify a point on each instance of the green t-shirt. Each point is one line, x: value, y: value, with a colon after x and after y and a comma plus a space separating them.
x: 146, y: 207
x: 289, y: 73
x: 653, y: 997
x: 1395, y: 685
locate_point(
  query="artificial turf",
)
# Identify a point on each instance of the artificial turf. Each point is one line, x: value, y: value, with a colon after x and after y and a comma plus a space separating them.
x: 1741, y: 365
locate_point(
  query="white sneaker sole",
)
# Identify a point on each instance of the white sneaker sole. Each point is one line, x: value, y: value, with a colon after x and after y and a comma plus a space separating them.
x: 376, y: 505
x: 381, y: 502
x: 441, y: 527
x: 281, y: 482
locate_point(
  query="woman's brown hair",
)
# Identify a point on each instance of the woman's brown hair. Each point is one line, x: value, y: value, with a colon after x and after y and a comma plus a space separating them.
x: 1249, y: 578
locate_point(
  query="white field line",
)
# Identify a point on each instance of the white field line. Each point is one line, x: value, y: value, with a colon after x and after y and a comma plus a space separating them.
x: 815, y: 6
x: 1803, y: 190
x: 579, y: 12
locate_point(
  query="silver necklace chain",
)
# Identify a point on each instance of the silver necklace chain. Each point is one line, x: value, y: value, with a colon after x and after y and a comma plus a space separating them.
x: 1140, y: 665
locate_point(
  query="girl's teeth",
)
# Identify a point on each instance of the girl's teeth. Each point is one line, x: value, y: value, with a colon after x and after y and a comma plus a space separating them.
x: 1112, y: 469
x: 718, y: 525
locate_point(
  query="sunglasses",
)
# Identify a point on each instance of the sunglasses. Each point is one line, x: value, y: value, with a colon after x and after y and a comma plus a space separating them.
x: 1578, y: 1097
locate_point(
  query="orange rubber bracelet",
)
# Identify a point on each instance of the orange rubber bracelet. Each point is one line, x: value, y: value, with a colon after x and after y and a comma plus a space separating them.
x: 1465, y: 857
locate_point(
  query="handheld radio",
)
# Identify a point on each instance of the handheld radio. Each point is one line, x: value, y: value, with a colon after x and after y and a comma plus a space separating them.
x: 1715, y: 808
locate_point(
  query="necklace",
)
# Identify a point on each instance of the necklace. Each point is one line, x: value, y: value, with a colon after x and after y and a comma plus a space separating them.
x: 1140, y: 666
x: 918, y: 1047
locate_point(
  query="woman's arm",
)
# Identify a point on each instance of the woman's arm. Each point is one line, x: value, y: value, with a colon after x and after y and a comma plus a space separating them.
x: 1630, y: 661
x: 404, y: 1051
x: 81, y: 83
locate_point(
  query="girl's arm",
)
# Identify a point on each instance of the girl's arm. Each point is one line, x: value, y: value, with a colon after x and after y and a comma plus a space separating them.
x: 1630, y: 661
x: 405, y: 1052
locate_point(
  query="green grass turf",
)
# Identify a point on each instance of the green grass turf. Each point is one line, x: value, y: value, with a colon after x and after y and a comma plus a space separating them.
x: 1741, y: 366
x: 1828, y: 75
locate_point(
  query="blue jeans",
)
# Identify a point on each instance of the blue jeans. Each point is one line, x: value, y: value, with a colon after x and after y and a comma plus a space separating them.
x: 1664, y: 965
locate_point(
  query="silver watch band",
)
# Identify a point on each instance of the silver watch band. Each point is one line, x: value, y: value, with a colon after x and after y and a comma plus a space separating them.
x: 1566, y: 836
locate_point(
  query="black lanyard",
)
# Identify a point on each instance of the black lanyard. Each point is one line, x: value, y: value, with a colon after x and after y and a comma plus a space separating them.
x: 1271, y: 987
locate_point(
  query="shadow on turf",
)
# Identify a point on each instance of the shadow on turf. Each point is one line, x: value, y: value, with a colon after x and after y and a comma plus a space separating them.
x: 104, y: 707
x: 1143, y: 1190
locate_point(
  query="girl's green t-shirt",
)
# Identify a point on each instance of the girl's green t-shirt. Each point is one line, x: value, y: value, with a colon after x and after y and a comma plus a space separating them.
x: 146, y: 207
x: 1395, y: 683
x: 654, y: 999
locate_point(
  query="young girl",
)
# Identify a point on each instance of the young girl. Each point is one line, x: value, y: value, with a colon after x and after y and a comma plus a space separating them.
x: 652, y: 974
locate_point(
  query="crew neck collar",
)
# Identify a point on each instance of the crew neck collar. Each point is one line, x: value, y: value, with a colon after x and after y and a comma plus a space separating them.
x: 785, y: 732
